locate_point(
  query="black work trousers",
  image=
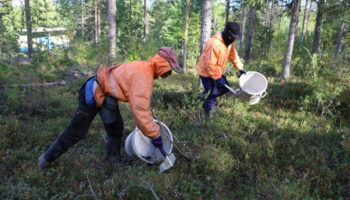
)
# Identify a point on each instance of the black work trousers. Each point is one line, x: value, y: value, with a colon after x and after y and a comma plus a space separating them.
x: 83, y: 117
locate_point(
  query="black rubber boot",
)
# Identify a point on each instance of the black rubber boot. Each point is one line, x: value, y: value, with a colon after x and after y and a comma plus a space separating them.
x: 54, y: 151
x: 113, y: 152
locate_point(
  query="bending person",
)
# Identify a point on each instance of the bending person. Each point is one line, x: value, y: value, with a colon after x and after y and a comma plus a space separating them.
x: 129, y: 82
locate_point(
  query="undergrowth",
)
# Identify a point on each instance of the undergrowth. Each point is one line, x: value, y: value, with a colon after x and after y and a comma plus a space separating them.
x: 294, y: 144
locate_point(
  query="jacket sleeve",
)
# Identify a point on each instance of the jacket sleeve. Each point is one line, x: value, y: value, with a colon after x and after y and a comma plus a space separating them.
x: 140, y: 100
x: 234, y: 58
x: 214, y: 70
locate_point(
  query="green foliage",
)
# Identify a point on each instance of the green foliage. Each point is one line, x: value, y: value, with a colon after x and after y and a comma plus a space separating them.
x: 284, y: 147
x: 44, y: 14
x: 294, y: 144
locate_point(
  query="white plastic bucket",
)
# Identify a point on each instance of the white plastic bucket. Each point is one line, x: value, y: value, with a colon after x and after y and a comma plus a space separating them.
x: 252, y: 86
x: 139, y: 146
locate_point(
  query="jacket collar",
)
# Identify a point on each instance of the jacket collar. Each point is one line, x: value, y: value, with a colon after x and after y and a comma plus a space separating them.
x: 159, y: 65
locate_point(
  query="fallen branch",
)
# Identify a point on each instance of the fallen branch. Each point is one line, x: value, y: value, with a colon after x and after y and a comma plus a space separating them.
x: 54, y: 197
x: 150, y: 187
x: 122, y: 193
x: 175, y: 138
x: 268, y: 131
x: 80, y: 196
x: 36, y: 84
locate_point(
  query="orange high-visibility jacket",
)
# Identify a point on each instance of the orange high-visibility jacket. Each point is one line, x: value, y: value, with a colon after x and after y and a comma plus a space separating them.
x: 133, y: 82
x: 214, y: 58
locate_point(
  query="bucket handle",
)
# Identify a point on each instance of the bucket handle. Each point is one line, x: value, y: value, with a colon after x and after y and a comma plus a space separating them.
x: 263, y: 95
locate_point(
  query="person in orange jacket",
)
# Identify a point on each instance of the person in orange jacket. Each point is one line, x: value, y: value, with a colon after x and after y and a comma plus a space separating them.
x: 129, y: 82
x: 212, y: 63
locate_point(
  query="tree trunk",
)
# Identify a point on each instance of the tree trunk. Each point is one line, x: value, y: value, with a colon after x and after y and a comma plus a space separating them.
x: 82, y: 19
x: 97, y: 20
x: 341, y: 32
x: 304, y: 19
x: 95, y: 9
x: 272, y: 17
x: 279, y: 25
x: 205, y: 27
x: 317, y: 33
x: 29, y: 28
x: 112, y: 24
x: 308, y: 17
x: 243, y: 29
x: 206, y: 23
x: 249, y: 34
x: 340, y: 39
x: 144, y: 21
x: 227, y: 11
x: 184, y: 53
x: 291, y: 38
x: 22, y: 18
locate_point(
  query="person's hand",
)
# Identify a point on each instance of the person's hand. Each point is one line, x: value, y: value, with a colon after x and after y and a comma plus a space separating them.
x: 221, y: 81
x: 158, y: 143
x: 243, y: 71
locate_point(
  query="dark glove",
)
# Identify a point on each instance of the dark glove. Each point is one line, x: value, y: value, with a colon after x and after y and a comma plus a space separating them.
x: 220, y: 86
x: 221, y: 81
x: 158, y: 143
x: 243, y: 71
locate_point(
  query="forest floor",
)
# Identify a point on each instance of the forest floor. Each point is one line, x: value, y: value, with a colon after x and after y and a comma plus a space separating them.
x: 294, y: 144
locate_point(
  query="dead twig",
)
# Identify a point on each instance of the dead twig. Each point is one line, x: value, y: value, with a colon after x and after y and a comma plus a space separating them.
x: 92, y: 191
x: 104, y: 137
x: 80, y: 196
x: 276, y: 188
x: 12, y: 190
x: 324, y: 111
x: 308, y: 52
x: 122, y: 193
x: 175, y: 138
x: 30, y: 189
x: 54, y: 197
x: 151, y: 188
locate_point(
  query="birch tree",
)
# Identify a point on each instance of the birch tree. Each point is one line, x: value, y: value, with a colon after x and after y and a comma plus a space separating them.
x: 291, y: 38
x: 184, y: 53
x: 227, y: 11
x: 206, y: 23
x: 97, y: 20
x: 112, y: 27
x: 341, y: 31
x: 82, y: 18
x: 249, y: 35
x: 272, y: 17
x: 244, y: 19
x: 304, y: 20
x: 144, y: 20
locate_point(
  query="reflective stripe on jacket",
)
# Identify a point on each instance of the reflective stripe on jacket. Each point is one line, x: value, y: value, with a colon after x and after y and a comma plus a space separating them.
x: 133, y: 82
x: 214, y: 58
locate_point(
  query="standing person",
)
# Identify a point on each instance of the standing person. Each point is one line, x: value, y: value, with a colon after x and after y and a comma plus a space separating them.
x: 129, y: 82
x: 213, y: 61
